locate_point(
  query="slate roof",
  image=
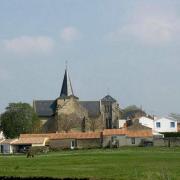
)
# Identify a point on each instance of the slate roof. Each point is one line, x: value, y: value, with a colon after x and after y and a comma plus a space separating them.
x: 45, y: 108
x: 93, y: 107
x: 66, y: 89
x: 108, y: 98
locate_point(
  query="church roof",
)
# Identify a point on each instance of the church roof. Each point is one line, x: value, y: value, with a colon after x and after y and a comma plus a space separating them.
x: 108, y: 98
x: 45, y: 107
x: 66, y: 89
x: 93, y: 107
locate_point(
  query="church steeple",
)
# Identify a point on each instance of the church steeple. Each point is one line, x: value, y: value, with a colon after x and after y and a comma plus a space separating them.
x: 66, y: 89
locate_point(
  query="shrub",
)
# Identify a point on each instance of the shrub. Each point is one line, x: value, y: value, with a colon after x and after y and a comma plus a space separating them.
x: 39, y: 149
x: 171, y: 134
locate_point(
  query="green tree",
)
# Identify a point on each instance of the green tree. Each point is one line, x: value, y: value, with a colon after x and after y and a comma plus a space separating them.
x: 132, y: 112
x: 175, y: 116
x: 19, y: 118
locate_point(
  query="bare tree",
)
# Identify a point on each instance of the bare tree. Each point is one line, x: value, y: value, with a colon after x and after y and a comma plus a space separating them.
x: 96, y: 123
x: 67, y: 122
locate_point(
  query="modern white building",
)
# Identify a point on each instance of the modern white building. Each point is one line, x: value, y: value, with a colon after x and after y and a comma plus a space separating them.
x: 162, y: 124
x: 165, y: 125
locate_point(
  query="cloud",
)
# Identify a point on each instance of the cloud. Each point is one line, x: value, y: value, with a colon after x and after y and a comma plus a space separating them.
x: 29, y: 44
x: 149, y: 25
x: 69, y: 34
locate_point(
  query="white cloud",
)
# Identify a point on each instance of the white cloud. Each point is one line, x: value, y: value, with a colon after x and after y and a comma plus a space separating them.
x: 29, y: 44
x: 69, y: 34
x: 149, y: 25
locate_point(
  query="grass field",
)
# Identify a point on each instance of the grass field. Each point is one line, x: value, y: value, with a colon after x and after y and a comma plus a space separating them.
x: 125, y: 163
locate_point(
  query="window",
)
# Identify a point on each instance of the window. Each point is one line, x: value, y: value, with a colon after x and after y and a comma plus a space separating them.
x: 133, y: 140
x: 158, y: 124
x: 172, y: 124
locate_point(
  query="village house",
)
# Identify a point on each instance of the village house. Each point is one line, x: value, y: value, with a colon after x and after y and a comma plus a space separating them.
x: 160, y: 125
x: 134, y: 135
x: 7, y: 146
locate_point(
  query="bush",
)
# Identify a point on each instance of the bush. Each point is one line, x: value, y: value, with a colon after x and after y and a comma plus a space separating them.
x: 171, y: 134
x: 39, y: 149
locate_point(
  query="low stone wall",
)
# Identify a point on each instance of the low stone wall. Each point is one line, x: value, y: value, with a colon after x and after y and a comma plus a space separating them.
x: 167, y: 142
x: 122, y: 140
x: 60, y: 143
x: 88, y: 143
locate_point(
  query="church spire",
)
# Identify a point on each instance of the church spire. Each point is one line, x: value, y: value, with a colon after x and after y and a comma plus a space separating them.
x: 66, y: 89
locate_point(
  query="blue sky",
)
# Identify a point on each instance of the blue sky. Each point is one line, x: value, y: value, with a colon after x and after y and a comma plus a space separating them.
x: 129, y: 47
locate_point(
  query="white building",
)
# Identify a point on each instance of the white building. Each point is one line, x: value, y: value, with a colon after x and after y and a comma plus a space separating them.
x: 165, y: 125
x: 1, y: 135
x: 6, y: 146
x: 160, y: 124
x: 121, y: 123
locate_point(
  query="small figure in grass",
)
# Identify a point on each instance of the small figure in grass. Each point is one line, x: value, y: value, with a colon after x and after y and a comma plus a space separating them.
x: 30, y: 154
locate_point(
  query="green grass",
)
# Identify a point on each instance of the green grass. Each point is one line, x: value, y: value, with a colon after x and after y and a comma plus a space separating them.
x: 125, y: 163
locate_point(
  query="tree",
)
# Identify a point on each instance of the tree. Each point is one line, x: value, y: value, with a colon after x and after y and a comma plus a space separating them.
x: 175, y: 116
x: 132, y: 112
x: 19, y: 118
x: 66, y: 122
x: 95, y: 123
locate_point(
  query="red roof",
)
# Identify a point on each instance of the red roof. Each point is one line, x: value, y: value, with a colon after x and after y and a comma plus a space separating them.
x: 91, y: 135
x: 109, y: 132
x: 30, y: 140
x: 69, y: 135
x: 129, y: 133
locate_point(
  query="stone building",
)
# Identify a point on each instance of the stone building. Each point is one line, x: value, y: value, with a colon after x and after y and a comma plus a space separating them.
x: 67, y: 112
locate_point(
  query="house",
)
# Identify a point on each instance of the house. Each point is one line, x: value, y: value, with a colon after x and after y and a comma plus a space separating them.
x: 7, y: 146
x: 160, y: 125
x: 165, y: 125
x: 127, y: 137
x: 22, y: 144
x: 70, y: 140
x: 75, y: 140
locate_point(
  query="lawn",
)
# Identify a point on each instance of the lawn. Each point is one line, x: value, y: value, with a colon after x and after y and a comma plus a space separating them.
x: 125, y: 163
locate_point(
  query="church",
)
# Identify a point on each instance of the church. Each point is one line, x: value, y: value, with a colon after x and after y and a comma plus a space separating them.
x: 68, y: 113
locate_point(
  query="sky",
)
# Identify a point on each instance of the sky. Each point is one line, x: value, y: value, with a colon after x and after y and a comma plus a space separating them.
x: 128, y: 49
